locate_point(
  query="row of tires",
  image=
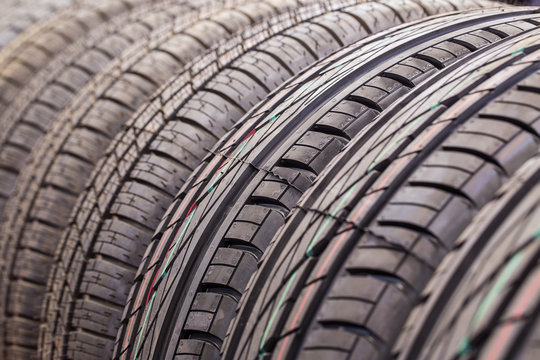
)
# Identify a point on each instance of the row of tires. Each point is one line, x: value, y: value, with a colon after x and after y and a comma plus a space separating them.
x: 277, y: 179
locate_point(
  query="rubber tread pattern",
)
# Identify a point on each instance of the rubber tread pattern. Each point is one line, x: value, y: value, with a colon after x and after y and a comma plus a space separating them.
x: 241, y: 239
x: 64, y: 160
x: 19, y: 15
x: 172, y: 139
x: 26, y: 55
x: 32, y: 113
x: 486, y: 289
x: 359, y: 248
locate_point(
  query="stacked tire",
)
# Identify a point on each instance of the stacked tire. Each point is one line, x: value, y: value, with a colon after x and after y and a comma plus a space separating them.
x: 278, y: 179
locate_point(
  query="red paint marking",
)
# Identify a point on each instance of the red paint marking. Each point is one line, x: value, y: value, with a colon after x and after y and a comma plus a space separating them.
x: 282, y: 351
x: 151, y: 287
x: 191, y: 209
x: 223, y: 163
x: 160, y: 247
x: 146, y: 277
x: 295, y: 320
x: 165, y: 236
x: 398, y: 166
x: 361, y: 210
x: 334, y: 249
x: 128, y: 335
x: 519, y: 309
x: 137, y: 303
x: 524, y: 302
x: 427, y: 136
x: 161, y: 242
x: 497, y: 348
x: 181, y: 208
x: 312, y: 286
x: 251, y: 133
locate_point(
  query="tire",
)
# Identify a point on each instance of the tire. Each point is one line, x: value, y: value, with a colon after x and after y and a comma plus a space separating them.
x: 43, y: 99
x: 349, y: 265
x: 33, y: 50
x: 222, y: 239
x: 483, y: 300
x: 156, y: 166
x: 48, y: 187
x: 17, y: 15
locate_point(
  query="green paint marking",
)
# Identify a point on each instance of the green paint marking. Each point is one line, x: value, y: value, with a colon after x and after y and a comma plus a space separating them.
x: 520, y: 51
x: 497, y: 288
x: 309, y: 251
x: 464, y: 347
x: 227, y: 165
x: 273, y: 317
x: 180, y: 236
x: 490, y: 298
x: 144, y: 325
x: 294, y: 97
x: 177, y: 241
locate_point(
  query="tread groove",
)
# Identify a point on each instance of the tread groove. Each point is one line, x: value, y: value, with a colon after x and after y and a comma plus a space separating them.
x: 448, y: 189
x: 367, y: 102
x: 479, y: 154
x: 204, y: 336
x: 420, y: 230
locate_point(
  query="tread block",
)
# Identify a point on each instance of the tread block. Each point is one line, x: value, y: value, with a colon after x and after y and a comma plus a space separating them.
x: 101, y: 280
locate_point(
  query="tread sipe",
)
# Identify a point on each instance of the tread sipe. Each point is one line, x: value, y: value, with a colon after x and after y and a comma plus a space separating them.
x: 27, y: 54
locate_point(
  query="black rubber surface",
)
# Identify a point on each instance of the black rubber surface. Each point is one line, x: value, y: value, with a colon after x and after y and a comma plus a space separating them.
x: 61, y: 164
x: 18, y: 15
x: 147, y: 164
x: 27, y: 54
x: 353, y: 258
x: 208, y: 244
x: 85, y: 141
x: 43, y: 98
x: 484, y: 300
